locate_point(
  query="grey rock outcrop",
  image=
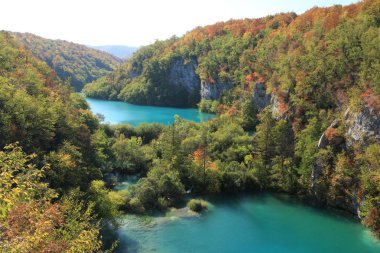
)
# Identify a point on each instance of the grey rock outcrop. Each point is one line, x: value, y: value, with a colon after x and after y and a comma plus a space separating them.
x: 275, y: 105
x: 323, y: 142
x: 260, y: 97
x: 363, y: 127
x: 212, y: 91
x: 183, y: 74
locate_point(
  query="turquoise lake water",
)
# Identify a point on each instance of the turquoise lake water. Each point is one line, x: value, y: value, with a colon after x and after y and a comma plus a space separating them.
x: 261, y: 224
x: 248, y: 224
x: 121, y: 112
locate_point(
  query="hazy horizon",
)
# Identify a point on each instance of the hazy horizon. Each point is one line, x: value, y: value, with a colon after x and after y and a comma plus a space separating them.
x: 132, y: 23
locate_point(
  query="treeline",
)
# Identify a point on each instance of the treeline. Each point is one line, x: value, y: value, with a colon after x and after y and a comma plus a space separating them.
x: 75, y: 64
x: 298, y: 57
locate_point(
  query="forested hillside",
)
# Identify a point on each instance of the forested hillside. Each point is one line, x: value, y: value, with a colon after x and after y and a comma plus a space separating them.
x: 289, y: 53
x: 50, y: 151
x: 298, y: 105
x: 309, y: 87
x: 73, y: 63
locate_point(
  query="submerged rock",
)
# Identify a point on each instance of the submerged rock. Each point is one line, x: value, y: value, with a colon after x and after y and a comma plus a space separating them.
x: 175, y: 214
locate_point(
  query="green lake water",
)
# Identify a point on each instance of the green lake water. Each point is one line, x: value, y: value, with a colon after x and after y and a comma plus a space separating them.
x: 121, y: 112
x: 260, y: 224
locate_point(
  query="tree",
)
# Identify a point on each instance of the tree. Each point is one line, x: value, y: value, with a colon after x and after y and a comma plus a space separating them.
x: 31, y: 217
x: 306, y: 150
x: 249, y: 113
x: 370, y: 180
x: 264, y: 147
x: 107, y: 203
x: 20, y: 180
x: 345, y: 179
x: 129, y: 156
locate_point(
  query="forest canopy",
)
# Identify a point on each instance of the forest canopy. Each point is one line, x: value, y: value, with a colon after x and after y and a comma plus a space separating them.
x: 75, y: 64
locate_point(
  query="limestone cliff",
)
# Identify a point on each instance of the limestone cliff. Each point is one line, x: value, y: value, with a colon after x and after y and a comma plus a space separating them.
x: 363, y: 127
x: 260, y: 97
x: 183, y: 74
x: 212, y: 91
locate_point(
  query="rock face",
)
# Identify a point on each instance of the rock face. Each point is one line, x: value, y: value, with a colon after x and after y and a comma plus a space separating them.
x: 184, y: 75
x: 363, y: 127
x: 348, y: 203
x: 260, y: 97
x: 212, y: 91
x: 275, y: 105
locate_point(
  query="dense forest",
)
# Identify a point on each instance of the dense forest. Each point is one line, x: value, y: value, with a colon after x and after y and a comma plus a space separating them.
x: 298, y: 105
x: 73, y: 63
x: 307, y: 85
x: 276, y: 50
x: 50, y: 152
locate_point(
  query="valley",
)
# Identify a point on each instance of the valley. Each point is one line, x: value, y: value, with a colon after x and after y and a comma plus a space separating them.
x: 246, y: 135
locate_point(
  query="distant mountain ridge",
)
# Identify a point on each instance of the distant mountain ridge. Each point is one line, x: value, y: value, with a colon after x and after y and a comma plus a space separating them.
x: 73, y: 63
x: 121, y: 51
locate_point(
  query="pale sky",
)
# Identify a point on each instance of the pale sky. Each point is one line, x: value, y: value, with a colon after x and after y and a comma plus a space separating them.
x: 134, y: 23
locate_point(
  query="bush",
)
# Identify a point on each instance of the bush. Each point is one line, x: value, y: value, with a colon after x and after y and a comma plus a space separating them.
x: 197, y: 205
x: 135, y: 206
x: 129, y: 157
x: 208, y: 106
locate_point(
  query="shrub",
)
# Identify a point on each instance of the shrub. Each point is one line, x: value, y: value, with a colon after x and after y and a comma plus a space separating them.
x: 197, y: 205
x: 136, y: 206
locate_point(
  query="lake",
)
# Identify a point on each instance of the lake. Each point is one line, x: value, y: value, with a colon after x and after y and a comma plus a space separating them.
x: 116, y: 112
x: 254, y: 224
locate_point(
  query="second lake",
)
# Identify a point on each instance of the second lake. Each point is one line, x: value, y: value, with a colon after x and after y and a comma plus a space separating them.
x: 116, y: 112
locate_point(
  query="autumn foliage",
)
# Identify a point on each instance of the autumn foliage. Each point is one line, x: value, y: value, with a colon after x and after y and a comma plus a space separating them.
x: 372, y: 101
x: 331, y: 133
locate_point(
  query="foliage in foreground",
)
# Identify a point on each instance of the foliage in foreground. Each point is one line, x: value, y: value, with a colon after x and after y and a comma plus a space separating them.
x: 44, y: 197
x: 32, y: 219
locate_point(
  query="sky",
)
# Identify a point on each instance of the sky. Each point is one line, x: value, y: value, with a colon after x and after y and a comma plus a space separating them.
x: 134, y: 23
